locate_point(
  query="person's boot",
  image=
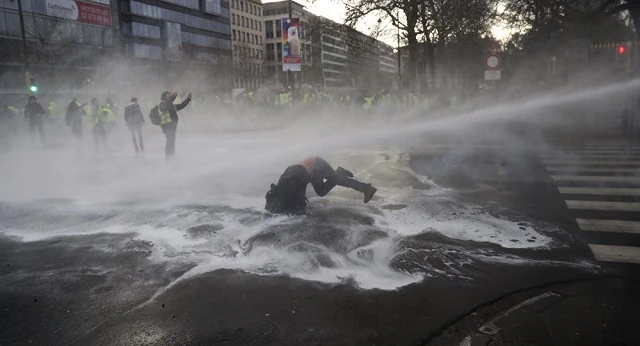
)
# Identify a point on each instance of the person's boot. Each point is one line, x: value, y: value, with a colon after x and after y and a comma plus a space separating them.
x: 368, y: 194
x: 344, y: 172
x: 367, y: 189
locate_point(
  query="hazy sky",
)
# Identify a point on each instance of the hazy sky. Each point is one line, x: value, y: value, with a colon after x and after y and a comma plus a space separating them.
x: 334, y: 10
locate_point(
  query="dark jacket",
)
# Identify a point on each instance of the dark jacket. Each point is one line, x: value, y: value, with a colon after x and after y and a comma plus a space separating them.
x: 33, y: 111
x: 173, y: 109
x: 288, y: 196
x: 133, y: 115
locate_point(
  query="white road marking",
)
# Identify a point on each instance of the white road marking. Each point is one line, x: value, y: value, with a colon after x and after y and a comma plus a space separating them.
x: 596, y: 178
x: 616, y: 226
x: 615, y: 253
x: 600, y: 191
x: 590, y: 157
x: 595, y: 170
x: 582, y: 163
x: 599, y: 205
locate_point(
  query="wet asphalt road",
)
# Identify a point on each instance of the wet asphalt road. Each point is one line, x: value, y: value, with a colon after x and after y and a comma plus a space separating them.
x: 61, y: 291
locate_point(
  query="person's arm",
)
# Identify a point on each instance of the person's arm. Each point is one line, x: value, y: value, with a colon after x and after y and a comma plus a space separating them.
x: 184, y: 103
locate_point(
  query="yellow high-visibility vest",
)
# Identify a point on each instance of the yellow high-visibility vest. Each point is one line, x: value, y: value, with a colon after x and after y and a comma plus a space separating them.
x: 165, y: 118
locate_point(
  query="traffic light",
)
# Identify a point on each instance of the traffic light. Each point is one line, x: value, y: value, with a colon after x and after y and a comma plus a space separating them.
x: 33, y: 86
x: 621, y: 49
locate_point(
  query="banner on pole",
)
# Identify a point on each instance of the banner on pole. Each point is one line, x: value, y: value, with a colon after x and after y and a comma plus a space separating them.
x: 291, y: 45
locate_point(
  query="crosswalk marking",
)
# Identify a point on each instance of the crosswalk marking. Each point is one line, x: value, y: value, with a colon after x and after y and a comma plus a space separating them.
x: 583, y: 163
x: 594, y: 170
x: 596, y: 178
x: 616, y: 253
x: 603, y: 191
x: 595, y: 225
x: 600, y: 205
x: 592, y: 157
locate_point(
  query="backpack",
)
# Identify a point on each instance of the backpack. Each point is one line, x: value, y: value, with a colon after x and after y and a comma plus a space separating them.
x: 278, y: 203
x: 154, y: 116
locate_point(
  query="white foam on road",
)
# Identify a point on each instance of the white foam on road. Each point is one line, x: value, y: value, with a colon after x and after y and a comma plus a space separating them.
x: 158, y: 204
x: 172, y: 244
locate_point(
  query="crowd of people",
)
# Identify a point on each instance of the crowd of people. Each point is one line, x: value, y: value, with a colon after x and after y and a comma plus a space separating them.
x: 364, y: 100
x: 98, y: 118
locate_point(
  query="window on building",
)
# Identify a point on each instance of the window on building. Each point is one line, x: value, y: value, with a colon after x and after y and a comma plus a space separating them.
x: 234, y: 35
x: 144, y: 30
x: 13, y: 23
x: 268, y: 26
x: 279, y: 51
x: 237, y: 4
x: 260, y: 26
x: 278, y: 28
x: 242, y: 5
x: 244, y: 36
x: 210, y: 6
x: 270, y: 52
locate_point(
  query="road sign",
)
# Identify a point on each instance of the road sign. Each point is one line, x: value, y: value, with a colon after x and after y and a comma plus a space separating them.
x: 492, y: 75
x: 492, y: 62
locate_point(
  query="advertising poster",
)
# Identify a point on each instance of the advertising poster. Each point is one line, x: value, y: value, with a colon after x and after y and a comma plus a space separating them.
x: 291, y: 44
x: 84, y: 12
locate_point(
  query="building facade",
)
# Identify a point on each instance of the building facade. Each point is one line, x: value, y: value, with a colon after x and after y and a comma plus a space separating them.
x: 247, y: 32
x: 274, y: 12
x: 188, y: 42
x: 66, y: 41
x: 116, y: 46
x: 334, y: 55
x: 330, y: 54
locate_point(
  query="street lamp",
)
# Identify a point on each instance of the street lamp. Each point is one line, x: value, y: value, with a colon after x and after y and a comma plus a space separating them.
x: 24, y: 48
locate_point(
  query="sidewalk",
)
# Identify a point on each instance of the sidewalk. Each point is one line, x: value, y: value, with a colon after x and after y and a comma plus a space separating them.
x: 599, y: 312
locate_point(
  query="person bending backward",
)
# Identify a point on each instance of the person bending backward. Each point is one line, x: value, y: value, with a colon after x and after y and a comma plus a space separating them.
x: 288, y: 195
x: 169, y: 119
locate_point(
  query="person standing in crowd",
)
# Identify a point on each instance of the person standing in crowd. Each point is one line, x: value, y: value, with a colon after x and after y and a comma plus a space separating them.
x: 33, y: 111
x: 97, y: 118
x: 169, y: 119
x: 73, y: 117
x: 111, y: 115
x: 134, y: 120
x: 52, y: 110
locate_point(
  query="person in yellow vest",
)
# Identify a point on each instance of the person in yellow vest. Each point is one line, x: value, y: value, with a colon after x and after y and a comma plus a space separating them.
x: 169, y: 119
x: 52, y: 109
x: 15, y: 112
x: 97, y: 118
x: 111, y: 116
x: 368, y: 103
